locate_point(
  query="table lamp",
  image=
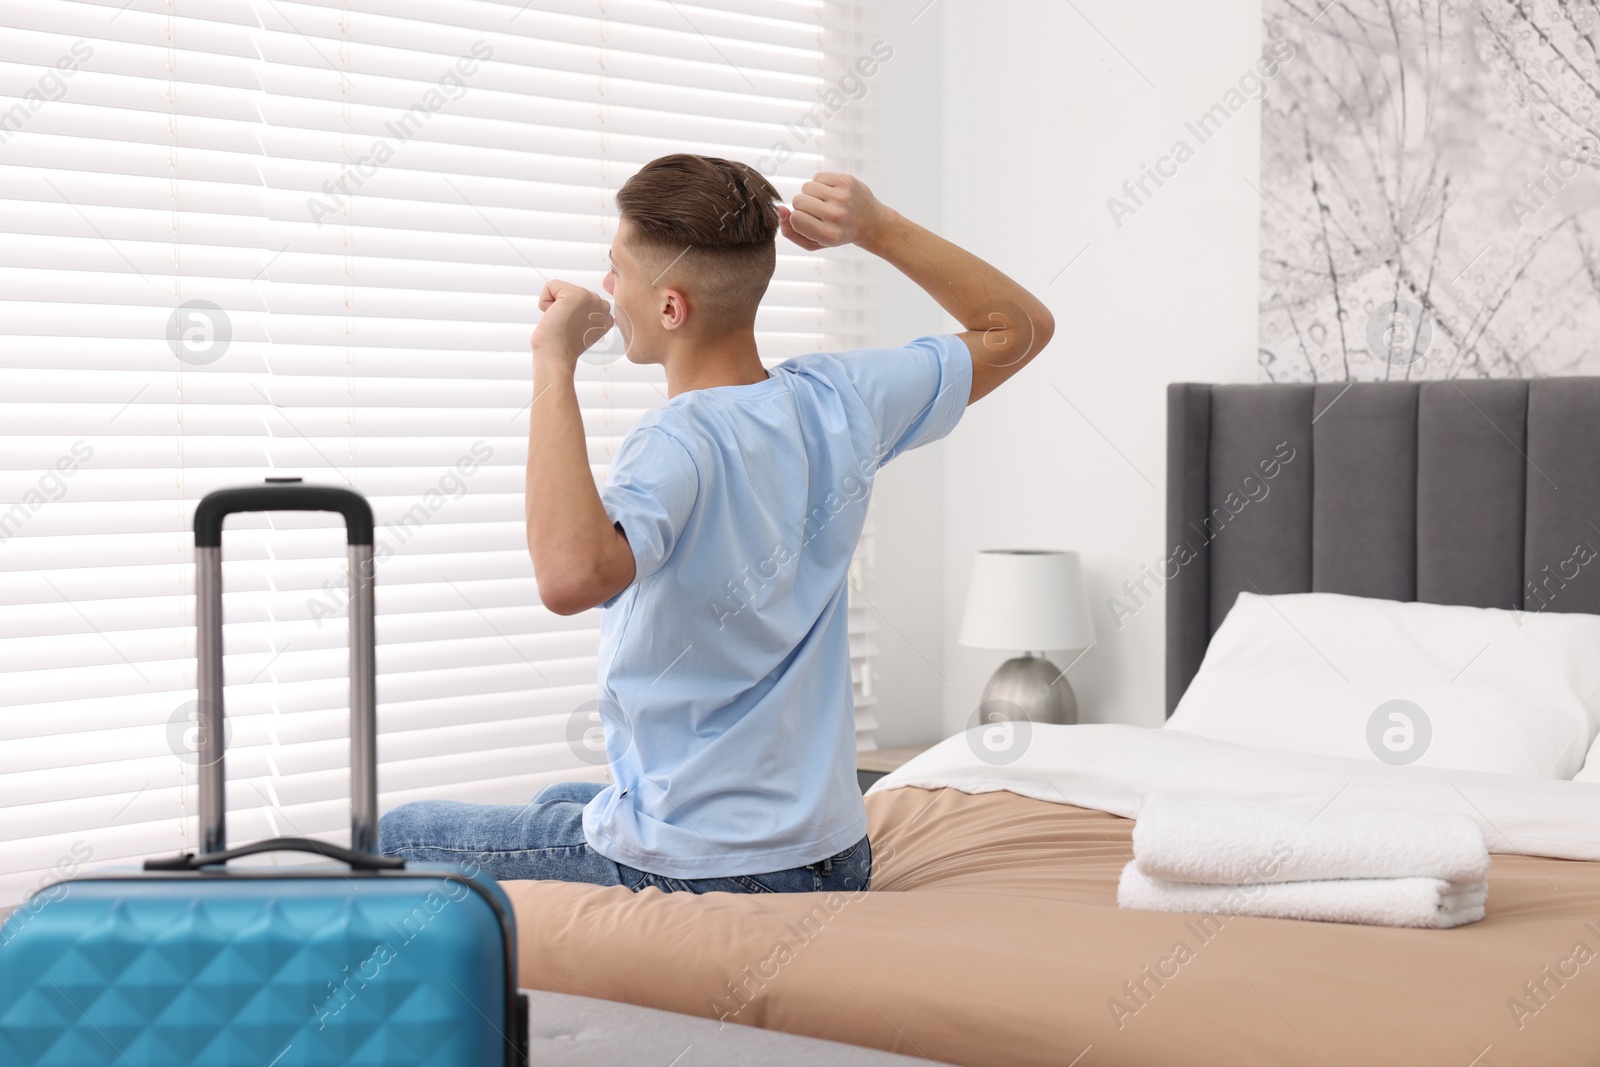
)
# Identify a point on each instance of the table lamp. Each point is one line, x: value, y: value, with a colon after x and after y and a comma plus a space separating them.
x: 1028, y: 599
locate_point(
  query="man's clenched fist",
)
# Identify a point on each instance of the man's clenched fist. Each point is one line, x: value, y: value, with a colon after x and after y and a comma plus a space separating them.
x: 573, y: 320
x: 832, y: 209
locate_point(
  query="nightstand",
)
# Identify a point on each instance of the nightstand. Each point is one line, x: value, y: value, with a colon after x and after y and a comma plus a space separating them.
x: 870, y: 766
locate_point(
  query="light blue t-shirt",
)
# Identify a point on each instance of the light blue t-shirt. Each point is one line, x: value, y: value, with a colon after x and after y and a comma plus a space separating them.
x: 725, y: 692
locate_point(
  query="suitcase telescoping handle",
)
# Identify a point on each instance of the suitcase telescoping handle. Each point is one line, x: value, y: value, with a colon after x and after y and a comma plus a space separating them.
x: 287, y: 495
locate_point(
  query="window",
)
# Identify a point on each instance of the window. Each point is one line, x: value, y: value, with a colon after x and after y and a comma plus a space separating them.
x: 266, y: 237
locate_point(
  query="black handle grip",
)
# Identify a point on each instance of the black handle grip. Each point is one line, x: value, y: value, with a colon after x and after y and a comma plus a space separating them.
x: 360, y: 861
x: 282, y: 496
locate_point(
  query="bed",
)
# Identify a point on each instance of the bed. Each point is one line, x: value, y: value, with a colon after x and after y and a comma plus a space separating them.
x: 991, y: 934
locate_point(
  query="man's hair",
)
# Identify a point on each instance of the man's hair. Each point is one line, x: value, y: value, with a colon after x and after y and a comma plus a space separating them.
x: 707, y: 226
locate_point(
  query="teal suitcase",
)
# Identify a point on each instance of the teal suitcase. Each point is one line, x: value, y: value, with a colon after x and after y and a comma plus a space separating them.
x: 363, y: 961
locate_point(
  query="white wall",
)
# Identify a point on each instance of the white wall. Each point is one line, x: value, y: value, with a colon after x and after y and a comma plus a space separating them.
x: 1044, y: 110
x: 906, y: 103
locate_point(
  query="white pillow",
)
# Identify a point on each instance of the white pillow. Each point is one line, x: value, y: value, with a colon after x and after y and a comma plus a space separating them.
x: 1505, y: 691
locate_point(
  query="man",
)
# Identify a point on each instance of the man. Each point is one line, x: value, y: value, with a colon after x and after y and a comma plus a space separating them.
x: 718, y: 549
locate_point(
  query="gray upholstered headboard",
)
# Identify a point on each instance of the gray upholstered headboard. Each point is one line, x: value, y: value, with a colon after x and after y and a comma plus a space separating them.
x: 1475, y: 492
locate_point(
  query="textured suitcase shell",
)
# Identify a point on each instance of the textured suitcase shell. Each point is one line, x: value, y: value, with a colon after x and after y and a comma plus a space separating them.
x: 334, y: 967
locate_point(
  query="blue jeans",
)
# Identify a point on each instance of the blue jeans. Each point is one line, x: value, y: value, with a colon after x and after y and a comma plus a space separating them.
x: 544, y: 839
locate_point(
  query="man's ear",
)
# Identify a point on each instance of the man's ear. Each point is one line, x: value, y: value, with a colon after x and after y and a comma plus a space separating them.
x: 674, y: 309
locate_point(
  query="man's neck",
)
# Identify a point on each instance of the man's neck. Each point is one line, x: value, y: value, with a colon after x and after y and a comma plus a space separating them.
x: 705, y: 364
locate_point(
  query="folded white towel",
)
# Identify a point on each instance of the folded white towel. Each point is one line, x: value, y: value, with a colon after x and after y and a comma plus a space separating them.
x: 1230, y: 843
x: 1426, y: 902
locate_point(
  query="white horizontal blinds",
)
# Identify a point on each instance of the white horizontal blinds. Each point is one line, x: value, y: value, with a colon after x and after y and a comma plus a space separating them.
x: 126, y: 188
x: 370, y: 328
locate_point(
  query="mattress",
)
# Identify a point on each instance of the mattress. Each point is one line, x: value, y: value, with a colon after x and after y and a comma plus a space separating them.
x: 991, y: 936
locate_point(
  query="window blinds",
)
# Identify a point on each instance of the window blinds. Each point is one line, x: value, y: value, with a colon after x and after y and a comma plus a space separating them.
x: 246, y: 238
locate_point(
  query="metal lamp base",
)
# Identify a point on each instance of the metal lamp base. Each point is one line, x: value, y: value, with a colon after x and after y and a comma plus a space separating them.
x: 1035, y: 687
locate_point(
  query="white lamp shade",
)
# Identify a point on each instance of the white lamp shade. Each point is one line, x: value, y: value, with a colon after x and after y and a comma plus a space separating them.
x: 1026, y: 600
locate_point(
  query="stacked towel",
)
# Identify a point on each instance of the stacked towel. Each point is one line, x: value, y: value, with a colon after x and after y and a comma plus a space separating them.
x: 1426, y: 902
x: 1382, y: 868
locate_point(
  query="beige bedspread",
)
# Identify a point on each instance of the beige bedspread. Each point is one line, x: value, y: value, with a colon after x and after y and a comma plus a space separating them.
x: 991, y: 936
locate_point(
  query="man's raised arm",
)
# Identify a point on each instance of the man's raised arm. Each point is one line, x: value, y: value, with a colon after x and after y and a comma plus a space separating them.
x: 580, y: 558
x: 1005, y: 325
